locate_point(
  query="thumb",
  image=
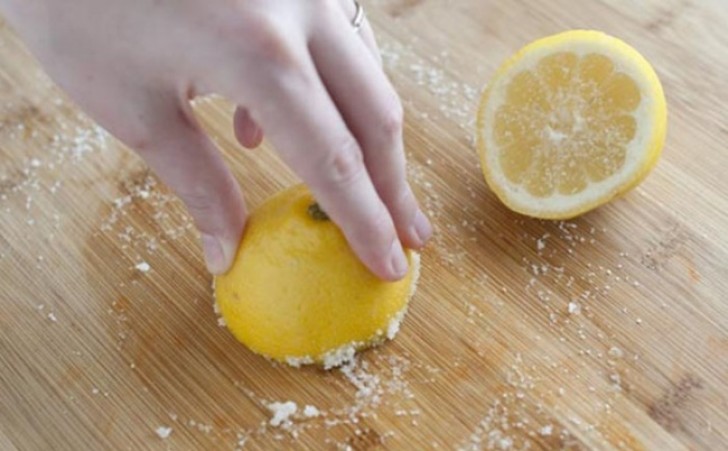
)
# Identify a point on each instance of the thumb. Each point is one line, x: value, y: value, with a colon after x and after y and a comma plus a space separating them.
x: 190, y: 164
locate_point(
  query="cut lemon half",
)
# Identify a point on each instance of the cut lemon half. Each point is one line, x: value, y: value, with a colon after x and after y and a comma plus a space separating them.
x: 570, y: 122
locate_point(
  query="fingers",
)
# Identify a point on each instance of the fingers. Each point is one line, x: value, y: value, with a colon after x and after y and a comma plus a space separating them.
x: 303, y: 123
x: 373, y: 112
x: 187, y: 161
x: 247, y: 132
x: 365, y: 30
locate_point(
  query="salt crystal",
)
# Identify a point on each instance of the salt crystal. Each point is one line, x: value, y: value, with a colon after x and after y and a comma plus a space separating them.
x: 52, y: 317
x: 282, y: 411
x: 615, y: 379
x: 546, y: 430
x: 574, y: 308
x: 505, y: 443
x: 310, y: 411
x: 163, y: 431
x: 142, y: 267
x: 616, y: 352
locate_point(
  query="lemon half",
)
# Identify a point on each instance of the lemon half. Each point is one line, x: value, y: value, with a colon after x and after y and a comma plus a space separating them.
x: 570, y: 122
x: 296, y: 292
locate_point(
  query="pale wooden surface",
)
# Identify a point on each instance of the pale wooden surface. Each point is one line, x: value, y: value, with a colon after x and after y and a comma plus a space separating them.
x: 489, y: 355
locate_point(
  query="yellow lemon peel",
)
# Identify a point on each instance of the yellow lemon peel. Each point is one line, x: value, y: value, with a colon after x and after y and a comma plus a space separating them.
x: 296, y: 293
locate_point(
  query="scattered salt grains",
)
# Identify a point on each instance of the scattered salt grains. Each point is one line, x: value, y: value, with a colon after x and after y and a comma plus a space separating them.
x: 163, y: 432
x: 454, y: 99
x: 171, y: 223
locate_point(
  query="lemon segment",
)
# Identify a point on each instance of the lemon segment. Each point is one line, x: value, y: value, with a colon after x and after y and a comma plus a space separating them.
x: 570, y: 122
x: 297, y: 293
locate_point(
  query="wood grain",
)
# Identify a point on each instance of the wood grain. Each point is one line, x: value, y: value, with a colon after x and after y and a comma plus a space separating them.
x: 96, y: 354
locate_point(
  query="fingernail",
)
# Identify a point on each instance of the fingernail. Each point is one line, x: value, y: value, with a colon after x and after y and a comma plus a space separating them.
x: 398, y: 261
x: 214, y: 256
x: 422, y: 228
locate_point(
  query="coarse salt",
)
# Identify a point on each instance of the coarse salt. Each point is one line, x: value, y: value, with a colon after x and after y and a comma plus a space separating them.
x: 546, y: 430
x: 574, y: 308
x: 282, y: 411
x: 163, y: 432
x: 311, y: 411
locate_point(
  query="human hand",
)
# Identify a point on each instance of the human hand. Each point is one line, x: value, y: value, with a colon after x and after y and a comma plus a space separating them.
x: 296, y: 69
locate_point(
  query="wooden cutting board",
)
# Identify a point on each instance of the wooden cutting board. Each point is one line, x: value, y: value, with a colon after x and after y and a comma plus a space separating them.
x: 609, y: 331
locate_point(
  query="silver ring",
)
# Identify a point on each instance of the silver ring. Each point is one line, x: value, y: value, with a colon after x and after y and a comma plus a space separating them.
x: 358, y: 16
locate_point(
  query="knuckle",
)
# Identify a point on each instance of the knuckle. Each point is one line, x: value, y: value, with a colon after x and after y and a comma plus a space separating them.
x: 203, y: 209
x: 392, y: 119
x: 266, y: 40
x: 205, y: 199
x: 198, y: 202
x: 346, y: 164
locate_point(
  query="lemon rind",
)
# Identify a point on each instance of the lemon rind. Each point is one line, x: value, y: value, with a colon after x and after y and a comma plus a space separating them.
x: 343, y: 354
